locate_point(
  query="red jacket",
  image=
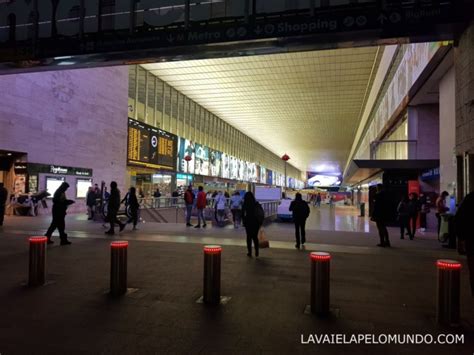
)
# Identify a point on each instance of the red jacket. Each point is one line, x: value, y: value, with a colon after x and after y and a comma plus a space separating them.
x: 201, y: 200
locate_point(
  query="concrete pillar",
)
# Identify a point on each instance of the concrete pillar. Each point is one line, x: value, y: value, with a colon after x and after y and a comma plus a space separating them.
x: 447, y: 132
x: 423, y: 127
x: 464, y: 69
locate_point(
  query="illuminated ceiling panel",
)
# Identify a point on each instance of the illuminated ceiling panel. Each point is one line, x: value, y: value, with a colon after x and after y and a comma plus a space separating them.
x: 306, y: 104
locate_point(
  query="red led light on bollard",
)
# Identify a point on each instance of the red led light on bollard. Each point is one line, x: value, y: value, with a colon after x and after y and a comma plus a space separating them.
x: 318, y: 256
x: 120, y: 244
x: 38, y: 239
x: 448, y: 264
x: 212, y: 249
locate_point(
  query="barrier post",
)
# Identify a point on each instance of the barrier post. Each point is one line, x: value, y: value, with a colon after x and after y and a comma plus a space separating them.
x: 448, y: 300
x: 212, y: 274
x: 320, y: 263
x: 118, y: 268
x: 37, y: 261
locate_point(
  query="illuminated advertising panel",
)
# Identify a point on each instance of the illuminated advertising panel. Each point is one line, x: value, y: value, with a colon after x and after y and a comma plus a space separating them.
x: 215, y: 162
x: 186, y: 148
x: 201, y: 160
x: 225, y: 166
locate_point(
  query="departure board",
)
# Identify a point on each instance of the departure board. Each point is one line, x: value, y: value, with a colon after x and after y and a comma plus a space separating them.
x: 151, y: 147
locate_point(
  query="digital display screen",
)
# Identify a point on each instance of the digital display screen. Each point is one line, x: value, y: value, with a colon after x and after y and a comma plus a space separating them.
x: 52, y: 184
x: 151, y: 147
x: 82, y: 187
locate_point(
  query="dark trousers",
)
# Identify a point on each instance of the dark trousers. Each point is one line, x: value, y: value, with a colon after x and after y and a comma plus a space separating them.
x: 134, y: 217
x: 300, y: 227
x: 112, y: 217
x: 423, y: 220
x: 2, y: 214
x: 252, y: 235
x: 412, y: 225
x: 404, y: 224
x: 58, y: 222
x: 236, y: 215
x: 383, y: 232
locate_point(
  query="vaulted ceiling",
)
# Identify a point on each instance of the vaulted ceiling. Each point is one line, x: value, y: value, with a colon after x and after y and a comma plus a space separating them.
x: 305, y: 104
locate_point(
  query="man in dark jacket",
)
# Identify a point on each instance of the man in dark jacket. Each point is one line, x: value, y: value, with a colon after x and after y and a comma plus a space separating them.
x: 301, y: 212
x: 3, y: 201
x: 189, y: 202
x: 60, y: 205
x: 381, y: 215
x: 463, y: 227
x: 112, y: 209
x: 413, y: 209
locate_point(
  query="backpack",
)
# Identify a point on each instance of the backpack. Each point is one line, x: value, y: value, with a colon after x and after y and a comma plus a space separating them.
x: 259, y: 213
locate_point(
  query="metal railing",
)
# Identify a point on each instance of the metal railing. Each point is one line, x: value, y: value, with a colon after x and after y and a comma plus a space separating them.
x: 270, y: 208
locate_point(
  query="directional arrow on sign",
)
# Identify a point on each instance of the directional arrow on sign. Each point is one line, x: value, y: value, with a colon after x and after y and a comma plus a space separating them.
x: 382, y: 18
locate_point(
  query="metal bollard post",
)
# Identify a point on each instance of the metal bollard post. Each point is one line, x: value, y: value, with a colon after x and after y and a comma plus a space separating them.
x: 320, y: 263
x: 118, y: 268
x: 448, y: 302
x: 212, y: 274
x: 37, y: 266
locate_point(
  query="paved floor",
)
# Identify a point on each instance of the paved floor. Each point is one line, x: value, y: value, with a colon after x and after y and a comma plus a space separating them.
x: 373, y: 290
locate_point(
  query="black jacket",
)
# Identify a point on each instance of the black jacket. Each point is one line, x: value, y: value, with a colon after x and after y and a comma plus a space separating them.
x: 249, y: 216
x: 3, y: 196
x: 300, y: 210
x: 381, y: 211
x: 114, y: 200
x: 60, y: 203
x: 91, y: 198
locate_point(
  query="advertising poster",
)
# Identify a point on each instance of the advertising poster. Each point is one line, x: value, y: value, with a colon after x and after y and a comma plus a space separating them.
x: 242, y: 168
x: 215, y: 162
x: 201, y: 160
x: 225, y: 166
x: 258, y: 173
x: 321, y: 180
x: 186, y: 148
x: 234, y: 168
x: 263, y: 175
x: 269, y: 177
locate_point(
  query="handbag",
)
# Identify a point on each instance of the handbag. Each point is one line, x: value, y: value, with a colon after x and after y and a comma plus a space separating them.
x: 262, y: 240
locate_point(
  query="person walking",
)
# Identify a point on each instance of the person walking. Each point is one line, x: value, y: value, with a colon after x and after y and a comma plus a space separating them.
x: 220, y: 206
x: 318, y: 200
x: 403, y: 218
x: 301, y: 212
x: 381, y: 215
x: 156, y: 196
x: 251, y: 211
x: 424, y: 210
x: 131, y: 201
x: 201, y: 205
x: 3, y: 201
x: 113, y: 208
x: 235, y: 207
x: 441, y: 208
x: 189, y: 202
x: 60, y: 205
x: 413, y: 209
x: 91, y: 202
x: 463, y: 228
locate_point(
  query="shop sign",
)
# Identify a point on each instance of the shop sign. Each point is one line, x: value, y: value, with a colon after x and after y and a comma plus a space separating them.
x: 430, y: 174
x: 58, y: 170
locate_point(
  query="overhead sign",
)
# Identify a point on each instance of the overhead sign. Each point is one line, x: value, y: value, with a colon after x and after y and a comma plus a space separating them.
x: 81, y: 27
x: 151, y: 147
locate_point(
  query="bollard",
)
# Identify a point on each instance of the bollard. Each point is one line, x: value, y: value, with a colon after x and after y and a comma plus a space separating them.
x: 118, y: 268
x: 449, y: 272
x: 37, y: 267
x: 212, y: 274
x: 320, y: 283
